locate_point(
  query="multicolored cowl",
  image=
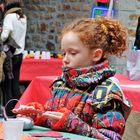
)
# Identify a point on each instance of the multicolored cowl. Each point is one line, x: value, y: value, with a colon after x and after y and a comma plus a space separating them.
x: 93, y: 104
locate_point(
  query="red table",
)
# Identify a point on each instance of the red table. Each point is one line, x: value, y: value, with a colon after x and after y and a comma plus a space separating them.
x: 31, y: 68
x: 39, y: 90
x: 102, y: 1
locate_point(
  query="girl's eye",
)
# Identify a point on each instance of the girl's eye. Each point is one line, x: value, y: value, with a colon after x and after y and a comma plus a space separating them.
x: 73, y: 53
x: 63, y: 54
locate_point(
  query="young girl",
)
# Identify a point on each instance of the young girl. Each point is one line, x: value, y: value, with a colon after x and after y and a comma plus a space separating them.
x: 86, y: 99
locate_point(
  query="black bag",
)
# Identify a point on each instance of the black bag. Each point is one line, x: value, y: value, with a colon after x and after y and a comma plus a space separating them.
x: 10, y: 45
x: 11, y: 42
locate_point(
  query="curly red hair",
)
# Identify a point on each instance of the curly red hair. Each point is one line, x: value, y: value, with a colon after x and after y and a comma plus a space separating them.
x: 101, y: 32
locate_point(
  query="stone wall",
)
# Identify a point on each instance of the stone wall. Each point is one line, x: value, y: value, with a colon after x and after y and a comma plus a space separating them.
x: 47, y: 17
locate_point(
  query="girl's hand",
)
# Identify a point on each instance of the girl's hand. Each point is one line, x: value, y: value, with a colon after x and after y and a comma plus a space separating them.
x: 28, y: 111
x: 53, y: 116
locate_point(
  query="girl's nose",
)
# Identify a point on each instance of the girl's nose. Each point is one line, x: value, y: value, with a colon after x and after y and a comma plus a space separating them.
x: 65, y: 59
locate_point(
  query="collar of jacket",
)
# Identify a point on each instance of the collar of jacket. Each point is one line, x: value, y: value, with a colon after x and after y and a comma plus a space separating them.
x: 84, y: 77
x: 12, y: 10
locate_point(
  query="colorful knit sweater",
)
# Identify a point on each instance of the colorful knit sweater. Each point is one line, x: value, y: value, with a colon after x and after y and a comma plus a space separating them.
x: 93, y: 105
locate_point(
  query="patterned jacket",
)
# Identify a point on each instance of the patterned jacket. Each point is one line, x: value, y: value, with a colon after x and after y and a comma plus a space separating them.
x: 92, y: 103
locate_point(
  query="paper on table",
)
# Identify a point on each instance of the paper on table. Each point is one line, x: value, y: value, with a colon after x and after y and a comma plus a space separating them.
x: 49, y: 133
x: 37, y: 55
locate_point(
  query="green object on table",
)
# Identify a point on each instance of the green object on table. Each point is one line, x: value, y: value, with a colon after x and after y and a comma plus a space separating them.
x: 38, y: 129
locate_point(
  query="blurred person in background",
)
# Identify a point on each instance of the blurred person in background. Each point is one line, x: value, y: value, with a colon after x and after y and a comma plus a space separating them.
x: 137, y: 38
x: 2, y: 54
x: 1, y: 12
x: 14, y: 26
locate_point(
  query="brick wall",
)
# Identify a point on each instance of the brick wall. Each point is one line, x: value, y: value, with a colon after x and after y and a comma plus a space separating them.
x: 47, y: 17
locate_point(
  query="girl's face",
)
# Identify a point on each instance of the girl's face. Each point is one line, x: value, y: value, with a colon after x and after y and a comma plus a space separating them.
x: 75, y: 54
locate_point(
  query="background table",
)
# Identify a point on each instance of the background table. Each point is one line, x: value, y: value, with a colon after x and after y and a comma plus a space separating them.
x: 39, y: 90
x: 131, y: 90
x: 31, y: 68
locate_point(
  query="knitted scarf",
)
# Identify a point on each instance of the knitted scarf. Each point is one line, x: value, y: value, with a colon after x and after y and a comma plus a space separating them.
x: 83, y: 77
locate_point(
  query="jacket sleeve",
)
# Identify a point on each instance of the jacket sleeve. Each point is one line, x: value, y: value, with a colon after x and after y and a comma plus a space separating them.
x: 110, y: 113
x: 102, y: 128
x: 7, y: 28
x: 38, y: 119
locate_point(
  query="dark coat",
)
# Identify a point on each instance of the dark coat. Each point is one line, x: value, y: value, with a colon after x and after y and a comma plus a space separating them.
x: 137, y: 39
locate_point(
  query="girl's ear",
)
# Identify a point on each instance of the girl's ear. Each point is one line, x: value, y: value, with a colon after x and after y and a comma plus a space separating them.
x: 97, y: 54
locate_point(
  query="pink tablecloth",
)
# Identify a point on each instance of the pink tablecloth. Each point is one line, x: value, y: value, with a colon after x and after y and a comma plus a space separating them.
x: 31, y: 68
x: 39, y: 90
